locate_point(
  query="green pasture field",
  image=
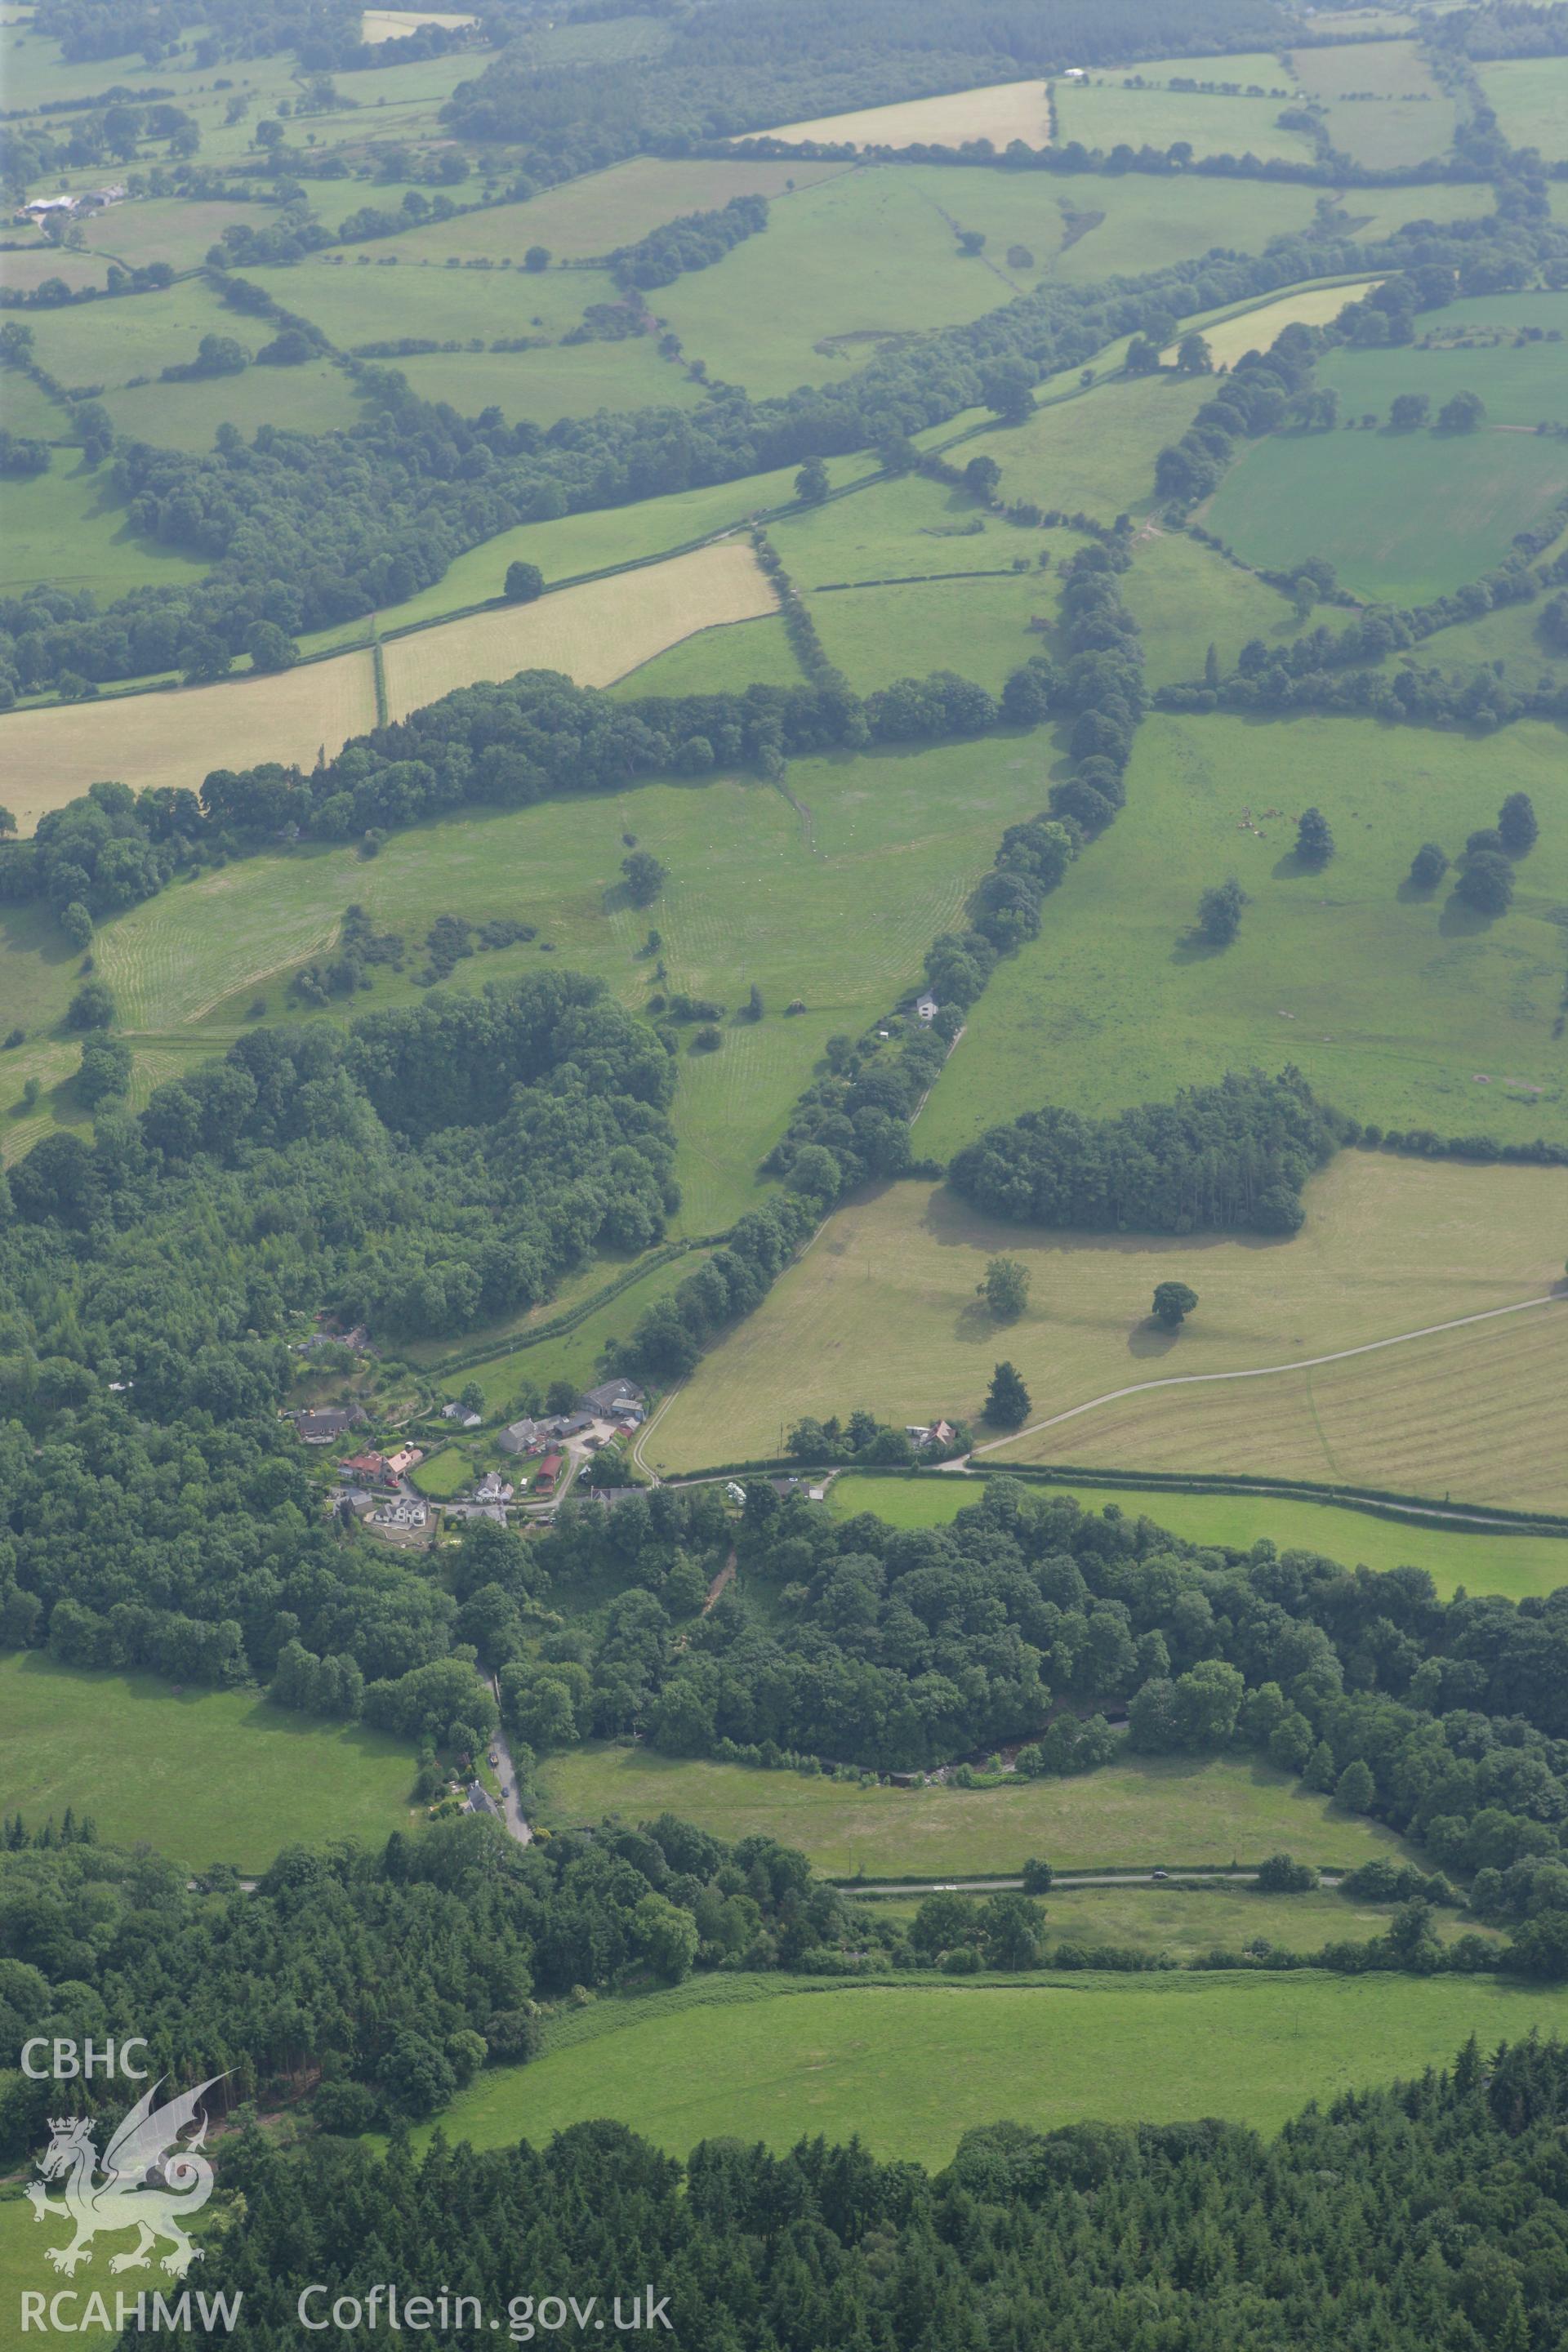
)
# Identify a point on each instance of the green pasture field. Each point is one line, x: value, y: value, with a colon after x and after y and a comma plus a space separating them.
x: 596, y: 542
x: 561, y: 380
x: 27, y: 409
x: 1188, y: 1921
x: 881, y: 1311
x: 911, y: 526
x: 1404, y: 517
x: 368, y: 299
x: 68, y: 529
x: 1395, y: 1005
x: 841, y: 920
x: 592, y: 216
x: 1407, y: 119
x: 577, y: 1355
x: 1125, y: 226
x: 1529, y: 98
x: 1250, y: 69
x: 978, y: 627
x: 315, y: 398
x: 176, y: 229
x: 1095, y: 454
x: 203, y: 1775
x: 110, y: 344
x: 1102, y: 113
x: 38, y: 73
x: 1374, y: 213
x: 847, y: 268
x: 909, y: 2067
x: 723, y: 660
x: 1259, y: 327
x: 20, y: 272
x: 1510, y: 633
x: 1467, y: 1415
x: 24, y: 2267
x: 1143, y: 1813
x: 1482, y: 1560
x: 1184, y: 598
x: 1520, y: 382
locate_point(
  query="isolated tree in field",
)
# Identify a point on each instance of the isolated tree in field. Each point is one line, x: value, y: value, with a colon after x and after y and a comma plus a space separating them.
x: 537, y: 257
x: 1409, y: 411
x: 1005, y: 1289
x: 1486, y: 883
x: 1355, y: 1788
x: 1314, y: 840
x: 269, y: 647
x: 1428, y: 866
x: 1516, y: 823
x: 970, y: 242
x: 811, y: 483
x: 1006, y: 1400
x: 1463, y: 414
x: 1020, y: 258
x: 645, y: 876
x: 524, y: 581
x: 1173, y: 1302
x: 981, y: 477
x: 1037, y: 1876
x: 105, y: 1070
x: 1193, y: 356
x: 1220, y: 912
x: 1142, y: 357
x: 93, y: 1006
x: 708, y: 1039
x: 1303, y: 593
x: 752, y: 1008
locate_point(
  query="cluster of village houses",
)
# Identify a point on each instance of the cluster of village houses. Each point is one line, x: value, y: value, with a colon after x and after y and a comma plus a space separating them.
x: 541, y: 1448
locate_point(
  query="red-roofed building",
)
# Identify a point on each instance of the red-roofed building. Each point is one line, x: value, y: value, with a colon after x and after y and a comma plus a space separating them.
x: 549, y: 1470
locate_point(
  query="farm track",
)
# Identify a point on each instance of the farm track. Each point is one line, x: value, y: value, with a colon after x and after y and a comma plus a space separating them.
x: 1264, y: 1372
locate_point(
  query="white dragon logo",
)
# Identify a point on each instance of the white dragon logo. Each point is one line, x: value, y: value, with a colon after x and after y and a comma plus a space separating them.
x: 149, y: 2183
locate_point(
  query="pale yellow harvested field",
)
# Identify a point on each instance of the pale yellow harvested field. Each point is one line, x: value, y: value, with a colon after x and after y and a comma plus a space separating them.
x: 49, y: 757
x: 378, y: 24
x: 1254, y: 331
x: 882, y: 1312
x: 595, y: 634
x: 1000, y: 112
x: 1475, y: 1413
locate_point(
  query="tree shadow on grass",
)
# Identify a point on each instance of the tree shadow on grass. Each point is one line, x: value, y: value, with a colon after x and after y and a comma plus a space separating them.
x: 1148, y: 1340
x: 1193, y: 947
x: 1459, y: 920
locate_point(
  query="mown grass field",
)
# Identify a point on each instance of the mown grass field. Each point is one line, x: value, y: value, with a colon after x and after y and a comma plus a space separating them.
x: 1529, y: 98
x: 1143, y: 1813
x: 177, y: 738
x: 1095, y: 455
x: 600, y: 540
x: 591, y: 216
x: 1000, y: 112
x: 881, y: 1311
x: 1402, y: 518
x: 910, y: 2067
x: 1256, y: 329
x: 68, y: 529
x: 203, y: 1775
x: 1471, y: 1415
x: 21, y: 271
x: 25, y: 2268
x: 369, y: 299
x: 1401, y: 1008
x: 175, y: 229
x: 1125, y: 226
x: 906, y: 527
x: 1102, y: 113
x: 1519, y: 1567
x: 593, y: 633
x: 1384, y: 108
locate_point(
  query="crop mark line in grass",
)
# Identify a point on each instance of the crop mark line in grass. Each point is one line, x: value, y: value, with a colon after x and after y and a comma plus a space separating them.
x: 1267, y: 1372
